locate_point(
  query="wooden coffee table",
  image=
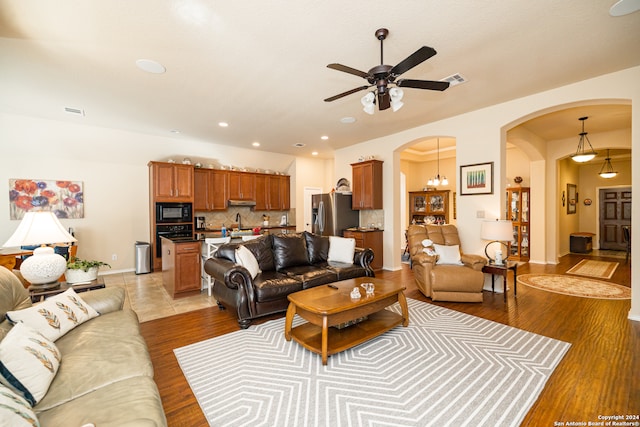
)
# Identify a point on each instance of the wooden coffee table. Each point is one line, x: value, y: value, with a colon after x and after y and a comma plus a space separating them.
x: 325, y: 307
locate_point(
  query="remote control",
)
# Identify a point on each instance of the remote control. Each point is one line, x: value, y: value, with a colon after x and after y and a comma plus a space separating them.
x: 333, y: 286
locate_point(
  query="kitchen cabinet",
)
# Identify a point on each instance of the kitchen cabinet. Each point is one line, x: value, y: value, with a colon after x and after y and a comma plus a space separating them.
x: 211, y: 190
x: 272, y: 192
x: 181, y: 266
x: 518, y: 199
x: 430, y: 207
x: 242, y: 185
x: 369, y: 239
x: 367, y: 185
x: 171, y: 182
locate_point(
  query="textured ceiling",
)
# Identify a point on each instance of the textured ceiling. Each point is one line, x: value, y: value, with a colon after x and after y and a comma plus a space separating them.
x: 261, y: 66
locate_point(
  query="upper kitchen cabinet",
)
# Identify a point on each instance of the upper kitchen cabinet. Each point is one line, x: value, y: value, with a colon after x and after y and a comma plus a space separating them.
x: 242, y: 186
x: 272, y: 192
x: 171, y: 182
x: 367, y: 184
x: 211, y: 190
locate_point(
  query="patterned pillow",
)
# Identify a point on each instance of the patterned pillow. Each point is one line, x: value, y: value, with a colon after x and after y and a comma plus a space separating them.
x: 15, y: 411
x: 28, y: 362
x: 56, y: 316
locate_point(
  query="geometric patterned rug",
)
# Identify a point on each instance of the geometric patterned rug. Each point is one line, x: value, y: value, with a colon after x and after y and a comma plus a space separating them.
x: 445, y: 368
x: 575, y: 286
x: 591, y: 268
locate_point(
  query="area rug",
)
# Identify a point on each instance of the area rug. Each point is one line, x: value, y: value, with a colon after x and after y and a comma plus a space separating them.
x: 575, y: 286
x: 445, y: 368
x: 591, y: 268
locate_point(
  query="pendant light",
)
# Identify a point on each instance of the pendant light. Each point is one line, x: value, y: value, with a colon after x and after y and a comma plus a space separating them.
x: 582, y: 155
x: 606, y: 171
x: 436, y: 179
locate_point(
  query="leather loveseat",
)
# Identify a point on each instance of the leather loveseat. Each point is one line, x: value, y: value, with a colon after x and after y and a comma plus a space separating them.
x: 105, y: 375
x: 445, y: 282
x: 288, y: 263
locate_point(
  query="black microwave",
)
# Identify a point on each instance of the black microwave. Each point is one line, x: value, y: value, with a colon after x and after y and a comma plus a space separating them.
x: 173, y: 212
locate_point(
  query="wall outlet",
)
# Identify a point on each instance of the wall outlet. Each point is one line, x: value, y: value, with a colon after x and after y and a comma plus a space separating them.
x: 114, y: 257
x: 479, y: 214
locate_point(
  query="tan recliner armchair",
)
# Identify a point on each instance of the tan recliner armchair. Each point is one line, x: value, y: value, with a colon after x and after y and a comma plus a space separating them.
x: 445, y: 282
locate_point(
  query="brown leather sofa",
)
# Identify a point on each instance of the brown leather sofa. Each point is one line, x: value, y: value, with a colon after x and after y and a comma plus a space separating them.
x: 445, y: 282
x: 288, y: 263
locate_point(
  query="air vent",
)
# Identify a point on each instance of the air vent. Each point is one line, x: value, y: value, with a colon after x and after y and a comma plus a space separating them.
x: 455, y: 79
x: 299, y: 145
x: 77, y: 111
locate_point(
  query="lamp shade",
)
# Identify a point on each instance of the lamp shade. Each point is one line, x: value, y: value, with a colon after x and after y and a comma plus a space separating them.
x: 44, y: 267
x: 39, y: 228
x: 498, y: 230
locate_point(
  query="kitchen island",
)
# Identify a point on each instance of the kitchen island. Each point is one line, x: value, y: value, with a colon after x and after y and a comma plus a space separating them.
x: 181, y: 265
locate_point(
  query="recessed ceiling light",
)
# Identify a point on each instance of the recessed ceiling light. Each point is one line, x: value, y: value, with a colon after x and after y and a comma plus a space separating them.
x: 255, y: 144
x: 150, y: 66
x: 223, y: 124
x: 324, y: 137
x: 299, y: 144
x: 175, y: 131
x: 348, y: 120
x: 314, y: 153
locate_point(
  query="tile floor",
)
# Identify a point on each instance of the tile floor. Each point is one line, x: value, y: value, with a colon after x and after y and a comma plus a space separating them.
x: 148, y: 298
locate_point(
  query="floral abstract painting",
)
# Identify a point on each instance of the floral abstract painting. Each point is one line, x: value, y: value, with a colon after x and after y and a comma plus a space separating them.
x: 64, y: 198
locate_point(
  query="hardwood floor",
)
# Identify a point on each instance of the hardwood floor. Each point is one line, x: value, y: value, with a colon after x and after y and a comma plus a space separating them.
x: 599, y: 376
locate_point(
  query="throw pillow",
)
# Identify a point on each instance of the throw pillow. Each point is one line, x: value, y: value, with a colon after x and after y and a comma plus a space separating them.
x: 246, y: 259
x: 428, y: 247
x: 448, y: 254
x: 28, y: 362
x: 56, y: 316
x: 318, y: 247
x: 341, y: 249
x: 15, y: 411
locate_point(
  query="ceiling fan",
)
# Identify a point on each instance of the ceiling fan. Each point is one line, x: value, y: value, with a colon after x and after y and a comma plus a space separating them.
x: 382, y: 76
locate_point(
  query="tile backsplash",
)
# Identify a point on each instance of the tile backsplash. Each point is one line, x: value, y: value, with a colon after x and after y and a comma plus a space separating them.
x: 250, y: 218
x: 369, y: 217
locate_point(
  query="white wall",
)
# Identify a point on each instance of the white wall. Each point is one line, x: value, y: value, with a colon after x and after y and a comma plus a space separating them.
x: 479, y: 137
x: 113, y: 167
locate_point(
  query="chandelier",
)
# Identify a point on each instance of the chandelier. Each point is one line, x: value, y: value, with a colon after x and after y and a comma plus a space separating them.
x: 582, y: 155
x: 436, y: 179
x: 606, y: 171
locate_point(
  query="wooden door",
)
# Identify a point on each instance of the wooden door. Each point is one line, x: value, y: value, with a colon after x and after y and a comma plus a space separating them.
x: 242, y: 186
x: 615, y: 211
x: 218, y: 190
x: 358, y: 191
x: 163, y: 181
x: 285, y: 193
x: 183, y: 187
x: 201, y: 190
x: 273, y: 193
x: 262, y: 193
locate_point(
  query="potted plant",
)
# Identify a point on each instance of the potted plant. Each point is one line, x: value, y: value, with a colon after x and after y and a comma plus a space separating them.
x: 82, y: 270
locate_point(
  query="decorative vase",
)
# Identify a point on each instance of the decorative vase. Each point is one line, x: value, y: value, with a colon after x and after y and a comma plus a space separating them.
x: 77, y: 276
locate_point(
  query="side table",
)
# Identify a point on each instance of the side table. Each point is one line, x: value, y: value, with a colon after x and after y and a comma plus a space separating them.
x: 503, y: 270
x: 38, y: 295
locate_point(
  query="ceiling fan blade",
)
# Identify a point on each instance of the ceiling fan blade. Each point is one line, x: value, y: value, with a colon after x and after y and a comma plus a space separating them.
x: 349, y: 70
x: 349, y: 92
x: 384, y: 101
x: 423, y: 84
x: 417, y: 57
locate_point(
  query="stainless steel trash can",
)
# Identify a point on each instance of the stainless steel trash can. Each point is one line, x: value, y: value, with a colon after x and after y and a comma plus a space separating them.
x: 143, y: 258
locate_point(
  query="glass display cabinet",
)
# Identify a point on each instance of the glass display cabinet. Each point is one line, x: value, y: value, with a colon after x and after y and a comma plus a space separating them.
x: 429, y: 207
x: 518, y: 199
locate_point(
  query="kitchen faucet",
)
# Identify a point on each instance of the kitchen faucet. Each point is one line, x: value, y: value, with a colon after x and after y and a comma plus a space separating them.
x: 239, y: 221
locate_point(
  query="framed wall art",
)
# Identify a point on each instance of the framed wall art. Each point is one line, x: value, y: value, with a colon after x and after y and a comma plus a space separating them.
x: 64, y: 198
x: 476, y: 179
x: 572, y: 198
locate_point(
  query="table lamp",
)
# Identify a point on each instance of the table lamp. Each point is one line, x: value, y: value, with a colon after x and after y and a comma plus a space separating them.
x: 44, y: 267
x: 499, y: 231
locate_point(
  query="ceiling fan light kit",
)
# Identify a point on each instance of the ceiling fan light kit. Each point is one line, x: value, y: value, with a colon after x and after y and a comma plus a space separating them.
x: 383, y: 78
x: 582, y: 155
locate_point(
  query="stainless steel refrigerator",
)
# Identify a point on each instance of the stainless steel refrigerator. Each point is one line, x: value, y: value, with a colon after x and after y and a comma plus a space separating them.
x: 332, y: 214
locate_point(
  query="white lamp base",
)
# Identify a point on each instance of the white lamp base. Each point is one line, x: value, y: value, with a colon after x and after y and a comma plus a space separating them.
x: 43, y: 267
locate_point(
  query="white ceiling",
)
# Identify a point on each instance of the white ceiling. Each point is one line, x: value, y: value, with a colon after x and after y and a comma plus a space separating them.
x: 261, y: 65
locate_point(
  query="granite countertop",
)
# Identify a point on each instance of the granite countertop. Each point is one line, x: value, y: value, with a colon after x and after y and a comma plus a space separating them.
x: 364, y: 229
x: 181, y: 239
x: 247, y: 228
